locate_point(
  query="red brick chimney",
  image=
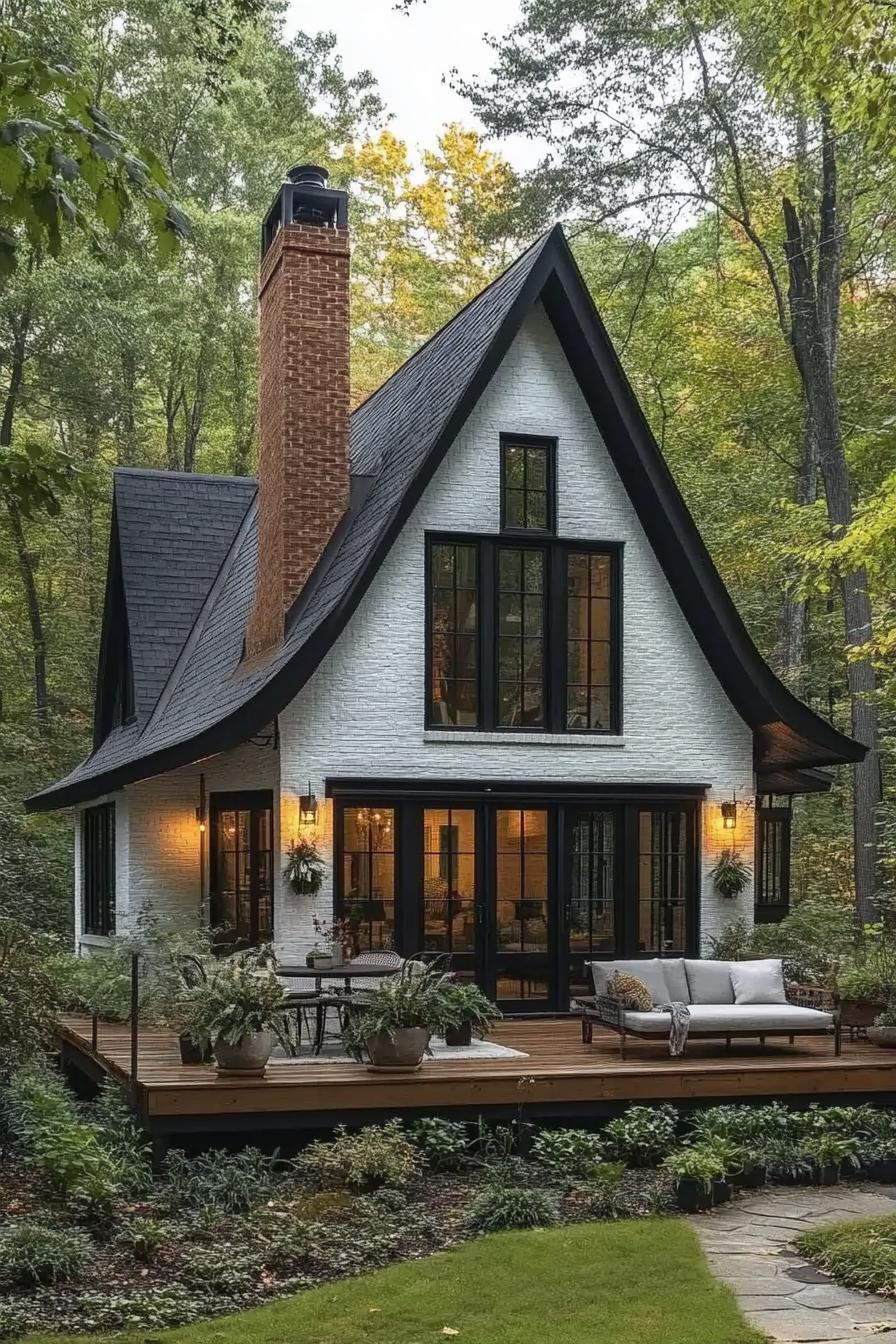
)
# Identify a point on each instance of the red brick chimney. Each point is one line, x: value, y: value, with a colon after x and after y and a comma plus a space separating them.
x: 303, y: 398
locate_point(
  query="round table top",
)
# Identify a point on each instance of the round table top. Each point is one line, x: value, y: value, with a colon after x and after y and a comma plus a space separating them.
x: 348, y: 971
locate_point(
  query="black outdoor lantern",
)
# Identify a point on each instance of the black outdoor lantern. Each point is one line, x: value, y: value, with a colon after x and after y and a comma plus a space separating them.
x: 729, y: 815
x: 308, y: 807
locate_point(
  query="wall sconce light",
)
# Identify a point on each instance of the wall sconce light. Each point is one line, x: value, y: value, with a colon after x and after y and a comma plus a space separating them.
x: 200, y: 821
x: 308, y: 807
x: 729, y: 815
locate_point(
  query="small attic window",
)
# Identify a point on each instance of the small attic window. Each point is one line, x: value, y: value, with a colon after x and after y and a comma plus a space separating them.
x: 528, y: 484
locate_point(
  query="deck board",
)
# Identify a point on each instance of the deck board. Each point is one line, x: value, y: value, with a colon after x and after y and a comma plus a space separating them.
x: 558, y: 1070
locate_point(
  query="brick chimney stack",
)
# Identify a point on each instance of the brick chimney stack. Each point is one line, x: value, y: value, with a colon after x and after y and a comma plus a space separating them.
x: 303, y: 397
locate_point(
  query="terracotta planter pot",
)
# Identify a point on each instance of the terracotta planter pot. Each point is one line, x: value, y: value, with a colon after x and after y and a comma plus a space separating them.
x: 403, y: 1049
x: 248, y: 1058
x: 458, y: 1036
x: 883, y: 1036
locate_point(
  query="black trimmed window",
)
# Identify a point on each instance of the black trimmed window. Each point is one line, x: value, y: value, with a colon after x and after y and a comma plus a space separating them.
x: 98, y: 869
x: 772, y: 866
x: 523, y: 636
x: 365, y: 896
x: 528, y: 484
x: 521, y: 628
x: 454, y: 631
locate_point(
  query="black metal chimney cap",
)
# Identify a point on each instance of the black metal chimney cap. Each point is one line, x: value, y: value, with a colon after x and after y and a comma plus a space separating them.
x: 308, y: 175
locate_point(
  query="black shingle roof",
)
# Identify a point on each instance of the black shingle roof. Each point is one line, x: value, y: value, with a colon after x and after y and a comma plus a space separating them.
x: 174, y: 530
x: 211, y: 701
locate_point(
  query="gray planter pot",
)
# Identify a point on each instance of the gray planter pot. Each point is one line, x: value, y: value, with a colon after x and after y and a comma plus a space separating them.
x: 885, y: 1036
x: 247, y: 1058
x: 403, y: 1049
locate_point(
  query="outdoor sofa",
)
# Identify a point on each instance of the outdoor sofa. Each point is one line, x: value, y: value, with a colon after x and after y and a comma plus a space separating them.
x: 710, y: 990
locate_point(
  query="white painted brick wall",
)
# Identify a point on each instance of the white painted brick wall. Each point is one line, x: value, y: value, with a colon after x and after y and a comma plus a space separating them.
x: 362, y: 713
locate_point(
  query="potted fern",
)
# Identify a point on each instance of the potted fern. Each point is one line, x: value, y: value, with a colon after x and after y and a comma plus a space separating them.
x: 466, y: 1013
x: 730, y: 875
x: 304, y: 869
x: 391, y: 1025
x: 699, y: 1178
x: 233, y: 1011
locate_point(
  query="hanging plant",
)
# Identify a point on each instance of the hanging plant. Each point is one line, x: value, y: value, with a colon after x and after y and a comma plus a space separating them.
x: 730, y: 875
x: 304, y: 869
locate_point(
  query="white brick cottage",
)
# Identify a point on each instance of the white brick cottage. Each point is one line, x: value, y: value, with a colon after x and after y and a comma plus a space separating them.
x: 499, y: 659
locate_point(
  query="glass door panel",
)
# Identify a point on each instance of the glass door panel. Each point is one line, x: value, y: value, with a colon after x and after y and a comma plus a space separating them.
x: 241, y: 857
x: 663, y: 882
x: 592, y: 917
x: 368, y: 877
x: 449, y: 887
x: 522, y: 915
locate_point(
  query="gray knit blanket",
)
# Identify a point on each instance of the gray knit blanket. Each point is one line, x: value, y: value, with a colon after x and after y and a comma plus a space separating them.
x: 679, y: 1028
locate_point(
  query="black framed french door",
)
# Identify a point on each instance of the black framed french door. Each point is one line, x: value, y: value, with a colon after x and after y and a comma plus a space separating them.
x: 519, y: 893
x: 241, y: 857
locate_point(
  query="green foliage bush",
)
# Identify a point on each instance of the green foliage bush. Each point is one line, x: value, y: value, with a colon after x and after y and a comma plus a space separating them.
x: 28, y: 995
x: 567, y: 1154
x: 499, y: 1207
x: 860, y: 1253
x: 370, y: 1157
x: 444, y: 1143
x: 12, y: 1321
x: 812, y: 940
x: 142, y: 1237
x: 642, y: 1135
x: 90, y: 1168
x: 224, y: 1183
x: 33, y: 1252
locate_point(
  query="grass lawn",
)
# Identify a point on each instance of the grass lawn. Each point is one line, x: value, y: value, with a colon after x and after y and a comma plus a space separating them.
x: 860, y: 1253
x: 643, y: 1280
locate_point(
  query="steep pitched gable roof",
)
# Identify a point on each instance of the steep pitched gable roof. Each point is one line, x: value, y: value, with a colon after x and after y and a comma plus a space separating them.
x: 398, y: 437
x: 173, y: 530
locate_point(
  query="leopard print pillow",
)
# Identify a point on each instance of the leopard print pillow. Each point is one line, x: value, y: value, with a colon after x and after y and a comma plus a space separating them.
x: 630, y: 992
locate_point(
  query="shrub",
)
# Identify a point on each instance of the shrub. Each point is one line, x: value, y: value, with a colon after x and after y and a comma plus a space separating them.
x: 376, y: 1155
x: 143, y: 1308
x: 12, y: 1322
x: 225, y: 1183
x: 224, y: 1269
x: 832, y: 1150
x: 444, y: 1143
x: 65, y: 1148
x: 567, y: 1153
x: 701, y: 1163
x: 122, y: 1137
x: 27, y: 993
x: 643, y: 1135
x: 812, y: 940
x: 142, y: 1237
x: 502, y: 1206
x: 32, y: 1252
x: 860, y: 1253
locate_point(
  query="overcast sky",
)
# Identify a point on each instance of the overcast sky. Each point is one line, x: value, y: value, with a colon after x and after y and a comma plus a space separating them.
x: 410, y: 53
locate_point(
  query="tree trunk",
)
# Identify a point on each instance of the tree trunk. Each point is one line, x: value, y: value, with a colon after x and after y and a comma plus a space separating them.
x: 814, y: 313
x: 24, y: 557
x: 794, y: 618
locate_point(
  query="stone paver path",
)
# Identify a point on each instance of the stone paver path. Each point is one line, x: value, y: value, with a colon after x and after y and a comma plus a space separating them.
x: 749, y: 1246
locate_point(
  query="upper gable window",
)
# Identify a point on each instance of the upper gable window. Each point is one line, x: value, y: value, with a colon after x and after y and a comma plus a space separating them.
x: 528, y: 484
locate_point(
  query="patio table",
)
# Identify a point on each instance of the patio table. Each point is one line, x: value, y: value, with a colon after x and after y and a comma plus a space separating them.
x: 321, y: 999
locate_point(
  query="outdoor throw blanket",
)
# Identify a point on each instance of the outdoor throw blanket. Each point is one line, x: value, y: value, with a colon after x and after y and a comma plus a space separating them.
x: 678, y: 1031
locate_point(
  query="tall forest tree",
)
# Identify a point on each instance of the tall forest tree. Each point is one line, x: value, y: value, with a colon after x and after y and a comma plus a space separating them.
x: 658, y: 114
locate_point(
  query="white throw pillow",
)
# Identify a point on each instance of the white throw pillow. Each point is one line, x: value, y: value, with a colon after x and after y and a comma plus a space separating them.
x: 758, y: 981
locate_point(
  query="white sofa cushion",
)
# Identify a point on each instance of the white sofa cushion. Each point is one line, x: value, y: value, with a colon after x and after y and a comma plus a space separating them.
x: 709, y: 981
x: 758, y: 1017
x: 676, y: 979
x: 651, y: 971
x: 758, y: 981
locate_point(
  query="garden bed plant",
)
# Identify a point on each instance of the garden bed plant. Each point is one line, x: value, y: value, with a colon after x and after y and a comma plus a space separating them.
x: 91, y: 1239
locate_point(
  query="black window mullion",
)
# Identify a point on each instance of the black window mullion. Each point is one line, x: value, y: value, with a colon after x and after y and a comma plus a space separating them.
x: 488, y: 645
x: 98, y: 869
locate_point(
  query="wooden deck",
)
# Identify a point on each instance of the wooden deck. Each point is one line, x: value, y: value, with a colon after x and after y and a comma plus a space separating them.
x: 558, y: 1078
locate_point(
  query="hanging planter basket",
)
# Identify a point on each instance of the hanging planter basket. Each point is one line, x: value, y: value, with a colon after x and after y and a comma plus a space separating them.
x: 304, y: 870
